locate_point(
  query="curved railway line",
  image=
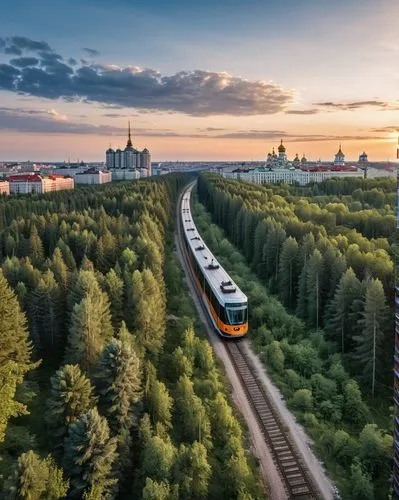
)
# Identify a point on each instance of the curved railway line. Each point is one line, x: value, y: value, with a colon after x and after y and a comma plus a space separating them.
x: 296, y: 478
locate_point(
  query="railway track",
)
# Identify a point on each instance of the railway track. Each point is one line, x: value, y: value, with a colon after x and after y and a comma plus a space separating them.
x: 295, y: 477
x: 294, y: 474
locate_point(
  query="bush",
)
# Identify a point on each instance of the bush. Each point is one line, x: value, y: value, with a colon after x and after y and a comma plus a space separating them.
x: 302, y: 400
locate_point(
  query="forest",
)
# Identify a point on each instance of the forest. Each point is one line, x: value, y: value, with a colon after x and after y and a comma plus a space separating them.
x: 108, y: 387
x: 317, y: 265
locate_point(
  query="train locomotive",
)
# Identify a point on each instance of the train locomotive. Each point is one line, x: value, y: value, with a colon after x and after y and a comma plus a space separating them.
x: 226, y: 304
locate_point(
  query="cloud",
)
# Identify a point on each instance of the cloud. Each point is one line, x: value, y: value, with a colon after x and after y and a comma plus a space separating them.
x: 91, y: 52
x: 302, y: 112
x: 17, y: 44
x: 390, y: 128
x: 195, y: 93
x: 350, y: 106
x: 50, y: 121
x: 24, y: 62
x: 254, y: 134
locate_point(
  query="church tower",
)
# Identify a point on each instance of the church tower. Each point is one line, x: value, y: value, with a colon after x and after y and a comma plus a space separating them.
x: 339, y: 158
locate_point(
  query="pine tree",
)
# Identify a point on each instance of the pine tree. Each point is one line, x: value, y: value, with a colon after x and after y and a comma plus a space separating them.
x: 60, y: 270
x: 368, y: 352
x: 29, y: 479
x: 338, y: 317
x: 90, y: 327
x: 15, y: 351
x: 159, y: 456
x: 314, y: 286
x: 150, y: 309
x: 57, y: 487
x: 160, y: 403
x: 118, y: 379
x: 306, y: 250
x: 271, y: 251
x: 156, y: 490
x: 35, y: 479
x: 288, y: 271
x: 114, y: 288
x: 46, y: 312
x: 71, y: 396
x: 190, y: 412
x: 193, y: 471
x: 89, y: 454
x: 86, y: 285
x: 36, y: 252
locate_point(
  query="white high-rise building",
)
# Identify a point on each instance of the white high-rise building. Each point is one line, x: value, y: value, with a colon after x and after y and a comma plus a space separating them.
x: 129, y: 158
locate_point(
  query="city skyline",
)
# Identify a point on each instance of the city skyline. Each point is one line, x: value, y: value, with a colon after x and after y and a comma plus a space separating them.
x: 199, y: 81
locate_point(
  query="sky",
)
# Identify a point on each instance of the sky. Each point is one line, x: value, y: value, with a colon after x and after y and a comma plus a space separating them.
x: 199, y: 80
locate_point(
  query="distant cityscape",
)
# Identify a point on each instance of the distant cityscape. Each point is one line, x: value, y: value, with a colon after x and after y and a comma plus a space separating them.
x: 130, y: 164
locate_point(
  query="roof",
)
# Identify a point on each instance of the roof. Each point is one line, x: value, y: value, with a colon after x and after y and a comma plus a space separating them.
x: 205, y: 257
x: 92, y: 171
x: 24, y: 178
x: 281, y: 148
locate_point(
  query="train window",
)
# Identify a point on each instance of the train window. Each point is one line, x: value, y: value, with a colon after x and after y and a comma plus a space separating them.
x: 222, y: 315
x: 237, y: 315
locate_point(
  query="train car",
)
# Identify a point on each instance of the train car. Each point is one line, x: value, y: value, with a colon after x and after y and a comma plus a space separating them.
x: 226, y: 304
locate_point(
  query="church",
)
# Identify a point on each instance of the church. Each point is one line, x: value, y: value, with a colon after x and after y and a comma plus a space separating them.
x: 129, y: 158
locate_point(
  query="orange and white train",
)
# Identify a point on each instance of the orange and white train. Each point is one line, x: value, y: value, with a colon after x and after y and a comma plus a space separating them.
x: 226, y: 304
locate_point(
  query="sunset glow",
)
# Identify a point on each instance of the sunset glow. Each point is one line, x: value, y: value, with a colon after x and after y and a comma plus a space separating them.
x: 200, y: 81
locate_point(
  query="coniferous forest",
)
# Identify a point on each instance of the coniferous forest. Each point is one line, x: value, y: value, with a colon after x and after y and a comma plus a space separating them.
x: 317, y: 265
x: 108, y: 388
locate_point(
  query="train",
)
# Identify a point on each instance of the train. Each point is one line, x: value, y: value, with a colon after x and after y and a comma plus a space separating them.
x: 226, y: 304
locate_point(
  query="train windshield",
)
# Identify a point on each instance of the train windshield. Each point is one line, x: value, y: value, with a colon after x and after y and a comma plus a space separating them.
x: 237, y: 315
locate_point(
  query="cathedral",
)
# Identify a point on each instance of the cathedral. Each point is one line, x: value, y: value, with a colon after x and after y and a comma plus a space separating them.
x: 129, y: 158
x: 281, y: 161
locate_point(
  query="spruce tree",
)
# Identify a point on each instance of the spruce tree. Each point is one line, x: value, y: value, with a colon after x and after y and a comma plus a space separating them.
x: 368, y: 352
x: 191, y: 414
x: 29, y: 479
x: 71, y: 396
x: 338, y: 317
x: 90, y: 327
x: 160, y: 403
x: 150, y: 309
x: 288, y: 271
x: 118, y: 380
x: 36, y: 252
x: 314, y: 285
x: 114, y: 287
x: 60, y: 270
x: 35, y: 479
x: 89, y: 455
x: 15, y: 351
x: 47, y: 315
x: 192, y: 471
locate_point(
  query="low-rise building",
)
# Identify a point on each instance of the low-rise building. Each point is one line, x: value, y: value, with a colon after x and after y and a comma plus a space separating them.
x: 93, y: 176
x: 35, y: 183
x: 4, y: 187
x: 300, y: 176
x: 125, y: 175
x: 26, y: 184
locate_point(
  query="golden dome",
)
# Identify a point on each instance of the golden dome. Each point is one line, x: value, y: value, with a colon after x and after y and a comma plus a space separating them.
x: 340, y: 153
x: 296, y: 158
x: 281, y: 148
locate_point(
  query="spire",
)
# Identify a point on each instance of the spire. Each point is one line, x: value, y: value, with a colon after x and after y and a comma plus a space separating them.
x: 129, y: 141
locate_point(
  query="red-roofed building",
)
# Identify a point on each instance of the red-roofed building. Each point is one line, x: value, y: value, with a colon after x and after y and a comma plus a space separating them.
x: 35, y: 183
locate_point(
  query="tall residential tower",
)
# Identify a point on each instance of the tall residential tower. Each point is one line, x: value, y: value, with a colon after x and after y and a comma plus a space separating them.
x: 129, y: 158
